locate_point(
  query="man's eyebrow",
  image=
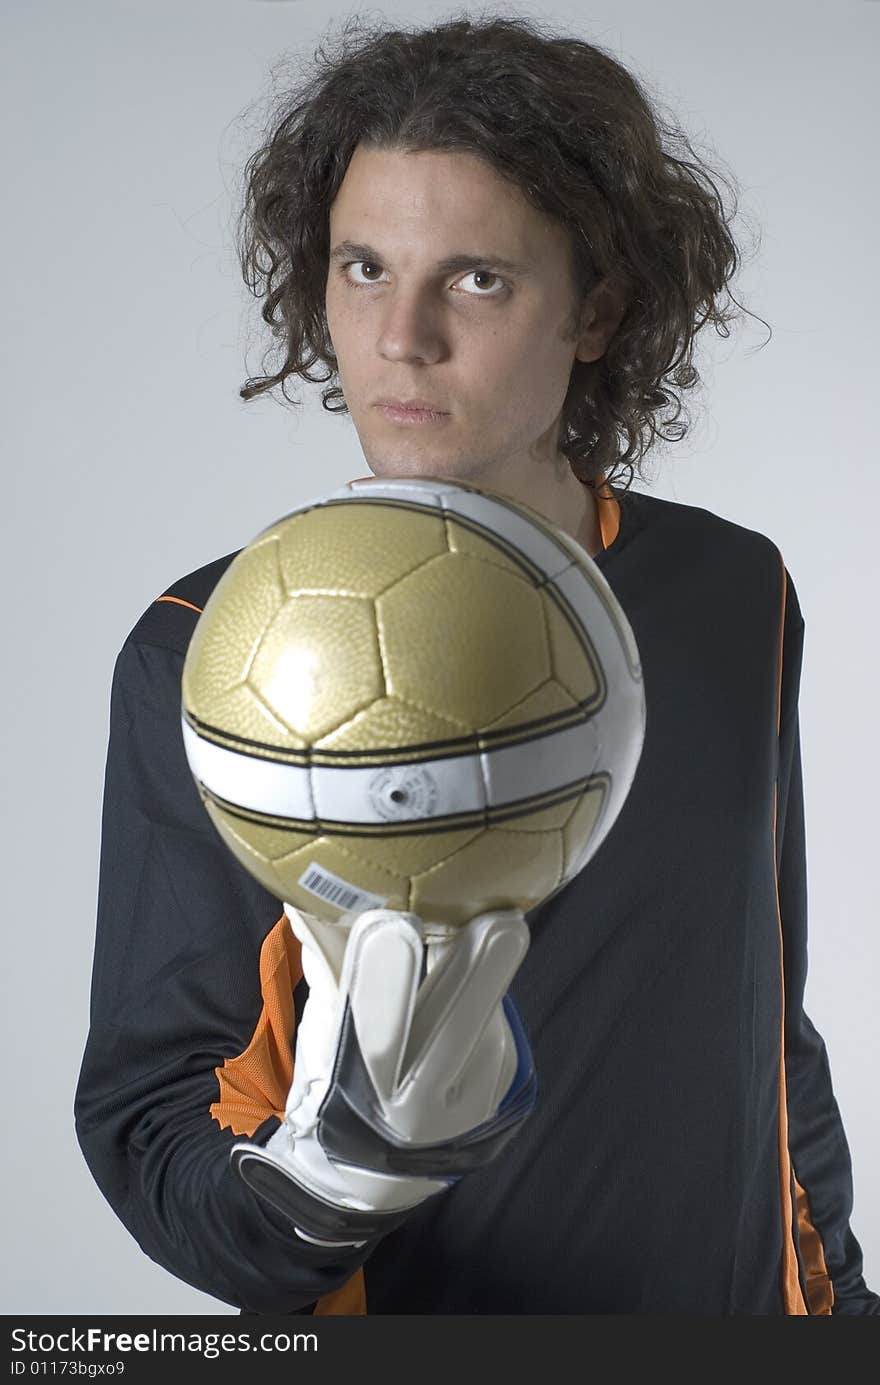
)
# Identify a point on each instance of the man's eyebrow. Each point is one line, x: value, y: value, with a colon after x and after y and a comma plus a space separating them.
x: 349, y: 250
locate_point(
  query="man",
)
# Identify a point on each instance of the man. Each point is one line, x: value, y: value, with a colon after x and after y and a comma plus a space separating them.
x: 508, y: 264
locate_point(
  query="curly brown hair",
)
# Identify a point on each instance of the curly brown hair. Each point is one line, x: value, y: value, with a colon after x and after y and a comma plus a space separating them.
x: 567, y: 124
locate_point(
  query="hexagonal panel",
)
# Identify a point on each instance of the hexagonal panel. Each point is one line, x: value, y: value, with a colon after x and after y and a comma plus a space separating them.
x: 356, y: 547
x: 496, y: 870
x: 391, y: 721
x: 461, y: 538
x: 241, y: 712
x: 582, y: 825
x: 318, y: 663
x: 333, y: 855
x: 236, y: 616
x: 544, y: 701
x: 573, y: 666
x: 463, y: 638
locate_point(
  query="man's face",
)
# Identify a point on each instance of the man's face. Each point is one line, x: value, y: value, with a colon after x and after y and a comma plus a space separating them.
x: 482, y: 340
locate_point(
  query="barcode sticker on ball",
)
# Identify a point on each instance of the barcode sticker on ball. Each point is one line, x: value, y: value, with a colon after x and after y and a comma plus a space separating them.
x: 334, y: 890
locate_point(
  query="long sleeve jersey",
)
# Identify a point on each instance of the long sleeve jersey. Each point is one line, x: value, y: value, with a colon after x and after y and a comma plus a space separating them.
x: 686, y: 1153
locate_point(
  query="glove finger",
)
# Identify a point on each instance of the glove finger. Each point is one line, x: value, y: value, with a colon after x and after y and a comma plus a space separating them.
x: 380, y: 975
x: 458, y: 997
x: 323, y: 948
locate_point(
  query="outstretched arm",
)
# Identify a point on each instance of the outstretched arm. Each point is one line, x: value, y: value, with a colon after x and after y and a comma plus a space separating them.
x: 176, y: 994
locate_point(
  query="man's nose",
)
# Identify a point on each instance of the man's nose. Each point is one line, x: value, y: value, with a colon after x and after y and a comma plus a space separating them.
x: 411, y: 328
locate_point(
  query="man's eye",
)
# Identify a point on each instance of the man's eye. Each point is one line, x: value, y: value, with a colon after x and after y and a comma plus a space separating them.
x: 361, y: 265
x: 485, y: 274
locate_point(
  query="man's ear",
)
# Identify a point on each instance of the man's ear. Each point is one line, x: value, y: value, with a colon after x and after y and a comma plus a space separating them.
x: 600, y: 317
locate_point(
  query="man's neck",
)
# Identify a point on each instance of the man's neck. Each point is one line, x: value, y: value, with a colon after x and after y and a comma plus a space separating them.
x: 589, y: 533
x: 575, y: 510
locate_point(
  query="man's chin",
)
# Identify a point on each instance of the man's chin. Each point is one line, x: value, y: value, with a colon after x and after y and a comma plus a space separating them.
x: 385, y: 467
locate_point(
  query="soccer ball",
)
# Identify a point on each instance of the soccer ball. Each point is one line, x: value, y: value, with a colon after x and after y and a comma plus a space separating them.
x: 413, y: 694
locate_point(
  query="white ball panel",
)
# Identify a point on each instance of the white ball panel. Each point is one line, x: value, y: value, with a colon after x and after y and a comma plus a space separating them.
x: 248, y: 781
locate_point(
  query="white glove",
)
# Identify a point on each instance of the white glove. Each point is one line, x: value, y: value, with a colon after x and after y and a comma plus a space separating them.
x: 399, y: 1088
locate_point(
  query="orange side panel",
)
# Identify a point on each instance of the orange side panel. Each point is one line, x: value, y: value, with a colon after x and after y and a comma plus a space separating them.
x: 793, y: 1299
x: 254, y: 1085
x: 608, y: 509
x: 820, y: 1291
x: 348, y: 1300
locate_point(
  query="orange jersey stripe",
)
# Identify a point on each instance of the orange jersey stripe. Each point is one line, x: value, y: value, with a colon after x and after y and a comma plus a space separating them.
x: 180, y: 602
x: 793, y: 1299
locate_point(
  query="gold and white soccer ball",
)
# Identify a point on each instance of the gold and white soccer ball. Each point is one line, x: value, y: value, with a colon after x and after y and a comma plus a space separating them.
x: 413, y: 694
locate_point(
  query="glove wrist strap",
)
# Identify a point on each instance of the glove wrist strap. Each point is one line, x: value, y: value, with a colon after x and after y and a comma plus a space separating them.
x: 322, y: 1221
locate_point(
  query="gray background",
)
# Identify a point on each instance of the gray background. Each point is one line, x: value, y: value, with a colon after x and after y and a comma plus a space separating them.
x: 130, y: 460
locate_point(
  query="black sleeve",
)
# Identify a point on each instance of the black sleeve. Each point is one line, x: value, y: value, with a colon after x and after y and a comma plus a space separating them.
x: 817, y: 1142
x: 175, y: 991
